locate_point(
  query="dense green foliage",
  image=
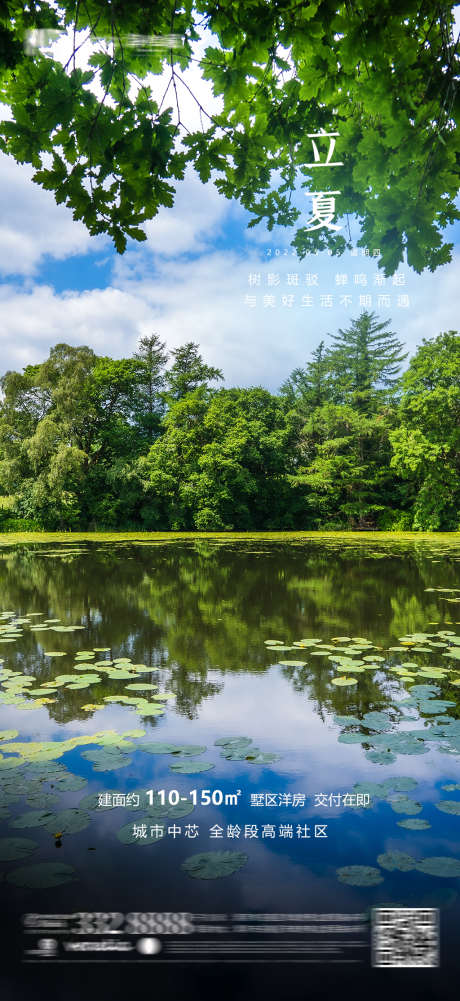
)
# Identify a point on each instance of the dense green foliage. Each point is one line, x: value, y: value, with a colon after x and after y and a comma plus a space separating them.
x: 380, y: 75
x: 93, y: 442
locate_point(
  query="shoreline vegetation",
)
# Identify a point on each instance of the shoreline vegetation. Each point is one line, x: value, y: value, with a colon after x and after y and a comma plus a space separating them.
x: 371, y: 536
x: 152, y: 443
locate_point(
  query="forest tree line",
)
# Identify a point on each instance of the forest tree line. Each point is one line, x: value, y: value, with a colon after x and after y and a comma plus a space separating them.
x: 153, y: 442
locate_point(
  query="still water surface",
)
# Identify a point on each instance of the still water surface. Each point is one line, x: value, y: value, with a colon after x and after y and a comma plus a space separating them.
x: 193, y: 623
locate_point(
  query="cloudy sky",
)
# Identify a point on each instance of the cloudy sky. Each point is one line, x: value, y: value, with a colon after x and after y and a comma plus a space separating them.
x: 254, y: 308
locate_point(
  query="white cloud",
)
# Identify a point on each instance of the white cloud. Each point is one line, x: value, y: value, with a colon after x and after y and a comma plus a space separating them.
x: 32, y: 225
x: 203, y: 300
x: 108, y: 320
x: 195, y: 221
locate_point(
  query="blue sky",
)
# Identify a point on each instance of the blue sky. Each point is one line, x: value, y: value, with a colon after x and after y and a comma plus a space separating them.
x: 201, y: 276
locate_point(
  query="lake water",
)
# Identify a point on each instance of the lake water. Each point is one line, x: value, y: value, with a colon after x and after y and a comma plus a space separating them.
x: 225, y: 639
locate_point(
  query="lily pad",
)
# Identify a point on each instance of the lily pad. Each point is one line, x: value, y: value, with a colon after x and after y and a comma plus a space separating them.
x: 190, y: 749
x: 439, y: 865
x: 68, y: 821
x: 41, y: 799
x: 214, y: 865
x: 179, y: 810
x: 359, y: 875
x: 347, y: 721
x: 414, y: 824
x: 396, y: 860
x: 376, y: 789
x: 344, y: 681
x: 156, y: 747
x: 13, y: 849
x: 449, y: 806
x: 233, y: 742
x: 405, y: 805
x: 381, y: 757
x: 43, y: 875
x: 292, y: 663
x: 258, y: 757
x: 106, y: 759
x: 33, y: 818
x: 68, y: 782
x: 191, y: 767
x: 234, y: 753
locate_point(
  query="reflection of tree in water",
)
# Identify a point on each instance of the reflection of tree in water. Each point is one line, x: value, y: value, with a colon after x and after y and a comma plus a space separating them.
x: 190, y: 608
x: 325, y: 698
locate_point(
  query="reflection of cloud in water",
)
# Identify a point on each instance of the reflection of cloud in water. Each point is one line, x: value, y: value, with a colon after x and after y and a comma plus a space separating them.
x: 276, y: 717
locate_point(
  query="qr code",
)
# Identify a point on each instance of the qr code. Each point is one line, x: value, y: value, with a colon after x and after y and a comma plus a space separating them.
x: 405, y: 936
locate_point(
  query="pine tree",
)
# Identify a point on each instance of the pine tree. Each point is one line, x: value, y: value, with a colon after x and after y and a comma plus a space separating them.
x: 151, y: 358
x: 310, y: 387
x: 188, y: 372
x: 365, y: 363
